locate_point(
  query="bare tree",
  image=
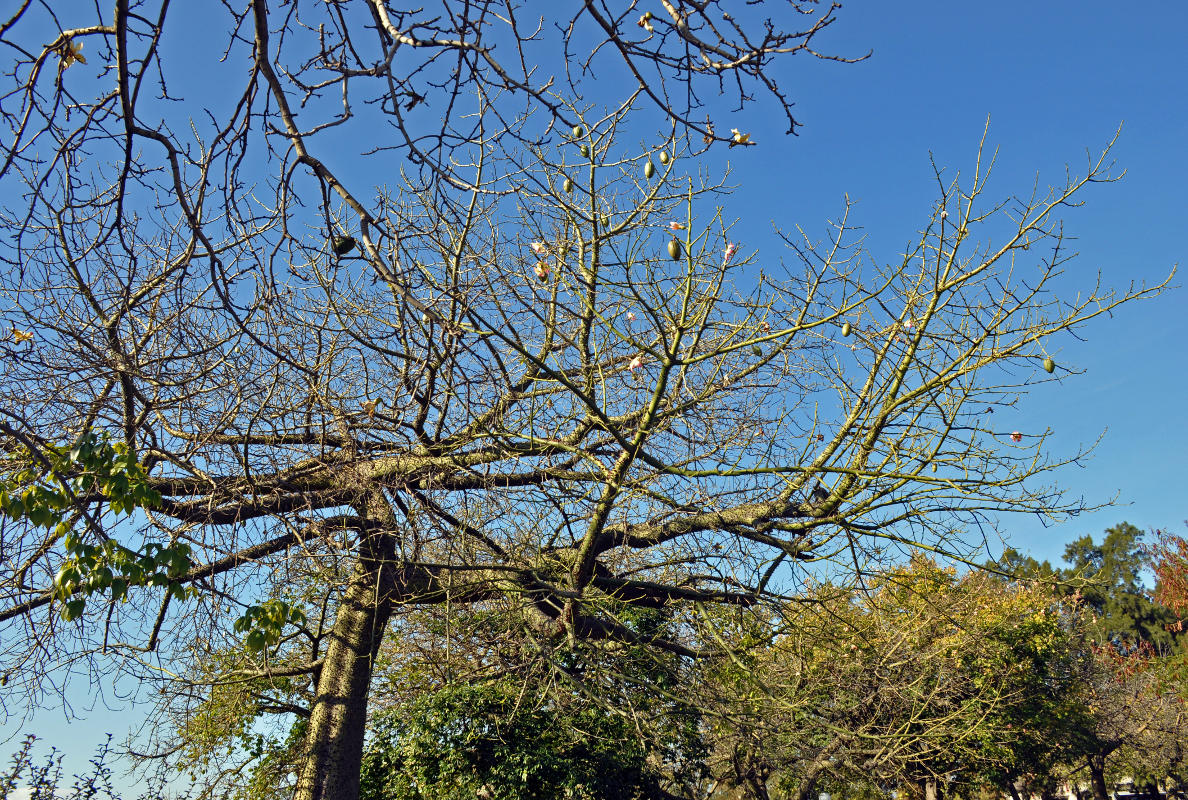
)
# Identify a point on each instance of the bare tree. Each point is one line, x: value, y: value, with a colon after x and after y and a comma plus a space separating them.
x: 528, y: 367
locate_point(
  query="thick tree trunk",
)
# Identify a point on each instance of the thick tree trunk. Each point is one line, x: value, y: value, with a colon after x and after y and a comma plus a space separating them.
x: 1013, y: 789
x: 930, y: 790
x: 334, y: 741
x: 1097, y: 778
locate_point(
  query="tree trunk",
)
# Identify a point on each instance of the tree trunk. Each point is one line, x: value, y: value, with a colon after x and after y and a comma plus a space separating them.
x: 1013, y: 789
x: 1097, y: 778
x: 334, y: 740
x: 930, y: 792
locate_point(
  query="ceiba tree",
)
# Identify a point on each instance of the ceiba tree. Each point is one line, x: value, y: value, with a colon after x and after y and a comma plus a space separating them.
x: 273, y: 402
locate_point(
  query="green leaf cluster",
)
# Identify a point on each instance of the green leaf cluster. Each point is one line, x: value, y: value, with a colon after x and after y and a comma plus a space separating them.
x: 50, y: 487
x: 495, y: 741
x: 264, y: 624
x: 43, y: 487
x: 111, y: 567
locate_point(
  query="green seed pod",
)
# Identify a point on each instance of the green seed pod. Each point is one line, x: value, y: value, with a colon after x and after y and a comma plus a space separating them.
x: 757, y: 350
x: 578, y: 131
x: 343, y: 244
x: 605, y: 220
x: 664, y: 156
x: 846, y: 329
x: 934, y: 467
x: 568, y: 186
x: 585, y: 151
x: 649, y: 169
x: 674, y: 249
x: 1049, y: 365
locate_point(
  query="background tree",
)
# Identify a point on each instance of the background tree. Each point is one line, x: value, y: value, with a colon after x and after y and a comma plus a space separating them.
x: 532, y: 370
x: 1108, y: 580
x: 1114, y: 589
x: 1130, y: 703
x: 1135, y: 723
x: 923, y: 677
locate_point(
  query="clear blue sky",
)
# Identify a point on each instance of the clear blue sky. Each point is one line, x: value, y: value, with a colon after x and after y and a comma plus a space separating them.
x: 1054, y: 78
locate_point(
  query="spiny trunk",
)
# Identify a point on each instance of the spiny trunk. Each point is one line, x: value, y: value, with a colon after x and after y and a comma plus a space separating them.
x: 1097, y: 778
x: 334, y: 741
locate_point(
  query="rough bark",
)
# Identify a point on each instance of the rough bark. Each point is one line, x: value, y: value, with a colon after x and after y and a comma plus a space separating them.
x: 334, y: 741
x: 1013, y: 789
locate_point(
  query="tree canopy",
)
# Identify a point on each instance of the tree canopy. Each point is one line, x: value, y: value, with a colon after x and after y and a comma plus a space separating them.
x: 1108, y: 578
x: 263, y: 408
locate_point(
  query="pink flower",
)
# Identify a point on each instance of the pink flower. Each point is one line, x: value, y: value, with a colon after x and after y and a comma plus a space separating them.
x: 631, y: 316
x: 538, y: 247
x: 1016, y: 436
x: 731, y: 248
x: 541, y: 269
x: 636, y: 363
x: 676, y: 226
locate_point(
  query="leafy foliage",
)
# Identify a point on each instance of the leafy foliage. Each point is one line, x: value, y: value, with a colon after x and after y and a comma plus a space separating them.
x: 496, y: 741
x: 1107, y: 580
x: 1114, y: 590
x: 110, y: 567
x: 925, y: 673
x: 44, y: 485
x: 52, y: 486
x: 263, y: 624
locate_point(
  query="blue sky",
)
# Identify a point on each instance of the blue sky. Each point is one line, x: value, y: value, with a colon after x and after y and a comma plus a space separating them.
x: 1054, y: 78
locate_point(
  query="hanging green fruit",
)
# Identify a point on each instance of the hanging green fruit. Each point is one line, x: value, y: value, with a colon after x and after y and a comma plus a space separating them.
x: 664, y: 156
x: 674, y: 249
x: 568, y: 186
x: 343, y: 244
x: 605, y: 220
x: 649, y: 169
x: 757, y: 350
x: 1049, y: 365
x: 585, y: 151
x: 578, y: 131
x: 846, y: 329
